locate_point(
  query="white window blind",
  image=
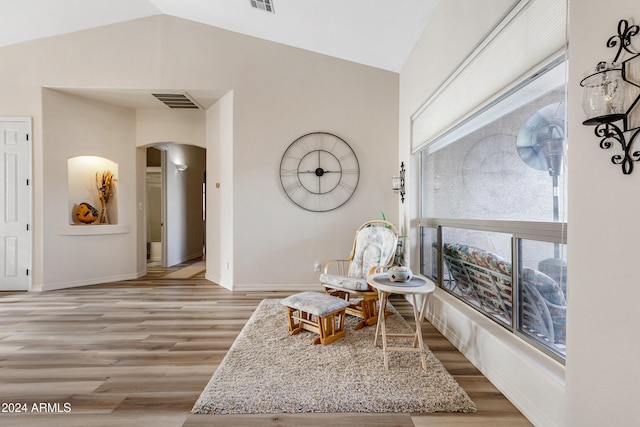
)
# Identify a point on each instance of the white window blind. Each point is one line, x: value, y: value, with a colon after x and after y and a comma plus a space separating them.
x: 532, y: 34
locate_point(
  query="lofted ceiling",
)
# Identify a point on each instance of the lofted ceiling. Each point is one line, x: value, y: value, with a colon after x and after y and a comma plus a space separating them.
x: 377, y: 33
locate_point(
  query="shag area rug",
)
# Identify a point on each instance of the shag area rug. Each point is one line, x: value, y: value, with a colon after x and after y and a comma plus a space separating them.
x: 268, y: 371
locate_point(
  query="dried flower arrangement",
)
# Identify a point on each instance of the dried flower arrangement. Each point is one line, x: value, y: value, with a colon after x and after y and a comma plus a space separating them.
x: 105, y: 183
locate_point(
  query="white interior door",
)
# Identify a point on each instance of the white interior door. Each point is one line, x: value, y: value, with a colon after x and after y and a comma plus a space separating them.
x: 15, y: 204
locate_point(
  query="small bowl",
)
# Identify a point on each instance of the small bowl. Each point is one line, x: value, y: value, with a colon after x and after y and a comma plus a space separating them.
x: 399, y: 273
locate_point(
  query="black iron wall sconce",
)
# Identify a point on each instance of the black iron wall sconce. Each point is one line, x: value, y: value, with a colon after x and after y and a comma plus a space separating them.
x: 397, y: 182
x: 611, y: 94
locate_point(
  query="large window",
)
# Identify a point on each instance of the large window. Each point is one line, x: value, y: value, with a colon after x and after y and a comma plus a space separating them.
x: 494, y: 211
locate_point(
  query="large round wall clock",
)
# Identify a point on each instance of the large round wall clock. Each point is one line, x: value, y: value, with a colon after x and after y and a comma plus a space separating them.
x: 319, y: 172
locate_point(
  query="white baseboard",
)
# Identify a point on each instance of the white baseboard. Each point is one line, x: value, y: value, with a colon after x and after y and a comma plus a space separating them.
x: 92, y: 281
x: 197, y: 256
x: 278, y: 287
x: 215, y: 279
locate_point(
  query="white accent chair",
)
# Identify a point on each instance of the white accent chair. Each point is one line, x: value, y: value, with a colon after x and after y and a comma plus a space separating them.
x: 373, y: 250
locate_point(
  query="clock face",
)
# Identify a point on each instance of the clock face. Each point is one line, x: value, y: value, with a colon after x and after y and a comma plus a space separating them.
x: 319, y: 172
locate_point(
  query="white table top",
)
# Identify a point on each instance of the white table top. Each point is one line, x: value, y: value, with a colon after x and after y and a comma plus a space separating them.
x: 417, y: 285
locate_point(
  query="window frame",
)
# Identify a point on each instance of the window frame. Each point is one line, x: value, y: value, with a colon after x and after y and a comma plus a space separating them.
x: 549, y: 232
x: 519, y: 230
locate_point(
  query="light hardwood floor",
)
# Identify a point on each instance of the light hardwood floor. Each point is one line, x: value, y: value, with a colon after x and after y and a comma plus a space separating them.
x: 138, y: 353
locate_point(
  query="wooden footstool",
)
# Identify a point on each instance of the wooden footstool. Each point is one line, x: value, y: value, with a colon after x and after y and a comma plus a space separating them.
x: 316, y: 312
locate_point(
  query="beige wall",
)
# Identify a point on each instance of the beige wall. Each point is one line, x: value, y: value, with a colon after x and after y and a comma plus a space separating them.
x: 279, y: 94
x: 78, y: 126
x: 220, y: 192
x: 177, y: 126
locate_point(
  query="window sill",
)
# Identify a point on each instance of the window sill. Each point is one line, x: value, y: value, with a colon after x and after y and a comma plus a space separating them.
x: 92, y: 230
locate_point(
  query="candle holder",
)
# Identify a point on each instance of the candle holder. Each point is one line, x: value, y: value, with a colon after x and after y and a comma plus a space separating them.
x: 610, y: 97
x: 397, y: 182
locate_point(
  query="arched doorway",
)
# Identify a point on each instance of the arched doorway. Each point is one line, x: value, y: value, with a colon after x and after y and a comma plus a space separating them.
x: 175, y: 221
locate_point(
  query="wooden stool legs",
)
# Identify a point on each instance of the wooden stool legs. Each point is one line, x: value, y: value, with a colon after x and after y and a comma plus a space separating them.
x: 329, y: 327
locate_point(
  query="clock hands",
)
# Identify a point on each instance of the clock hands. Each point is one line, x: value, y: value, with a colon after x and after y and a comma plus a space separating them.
x: 318, y: 171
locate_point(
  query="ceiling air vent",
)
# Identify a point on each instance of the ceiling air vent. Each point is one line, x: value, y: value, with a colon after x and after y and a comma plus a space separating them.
x: 177, y: 100
x: 266, y: 5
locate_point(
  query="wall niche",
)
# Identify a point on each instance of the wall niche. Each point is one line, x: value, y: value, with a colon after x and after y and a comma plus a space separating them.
x: 92, y: 190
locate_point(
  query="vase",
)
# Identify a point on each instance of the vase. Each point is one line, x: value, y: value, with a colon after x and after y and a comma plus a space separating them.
x: 104, y: 216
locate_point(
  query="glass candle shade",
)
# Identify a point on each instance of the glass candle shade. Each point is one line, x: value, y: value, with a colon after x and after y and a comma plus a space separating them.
x: 396, y: 183
x: 604, y: 94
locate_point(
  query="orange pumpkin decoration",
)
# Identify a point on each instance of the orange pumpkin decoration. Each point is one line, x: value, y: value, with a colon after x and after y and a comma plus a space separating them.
x: 85, y: 213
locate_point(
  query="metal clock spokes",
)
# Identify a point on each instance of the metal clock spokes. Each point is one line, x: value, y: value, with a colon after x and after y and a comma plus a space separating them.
x: 319, y: 172
x: 313, y: 168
